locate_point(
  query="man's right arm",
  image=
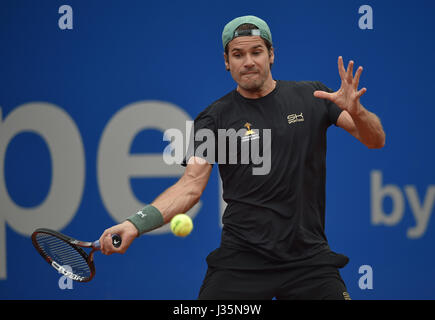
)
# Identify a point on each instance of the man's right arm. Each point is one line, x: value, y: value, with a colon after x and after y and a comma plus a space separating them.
x: 179, y: 198
x: 184, y: 194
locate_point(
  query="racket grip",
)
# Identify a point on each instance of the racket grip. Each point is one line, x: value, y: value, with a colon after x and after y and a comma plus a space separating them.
x: 116, y: 241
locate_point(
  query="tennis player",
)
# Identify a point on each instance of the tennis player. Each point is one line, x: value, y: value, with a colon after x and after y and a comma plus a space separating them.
x: 273, y: 239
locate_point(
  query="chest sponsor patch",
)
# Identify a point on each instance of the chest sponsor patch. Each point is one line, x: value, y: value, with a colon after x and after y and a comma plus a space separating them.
x: 294, y: 117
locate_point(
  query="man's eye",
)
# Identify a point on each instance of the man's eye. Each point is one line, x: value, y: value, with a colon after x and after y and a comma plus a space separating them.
x: 257, y: 52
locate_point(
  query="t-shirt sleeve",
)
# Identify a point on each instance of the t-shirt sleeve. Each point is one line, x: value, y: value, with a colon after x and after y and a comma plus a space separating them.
x: 204, y: 129
x: 333, y: 110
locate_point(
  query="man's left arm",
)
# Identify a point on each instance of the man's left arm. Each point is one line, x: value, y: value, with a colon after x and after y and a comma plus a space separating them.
x: 365, y: 126
x: 355, y: 119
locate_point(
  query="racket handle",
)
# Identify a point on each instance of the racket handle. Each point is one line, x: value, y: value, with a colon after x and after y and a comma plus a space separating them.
x: 116, y: 241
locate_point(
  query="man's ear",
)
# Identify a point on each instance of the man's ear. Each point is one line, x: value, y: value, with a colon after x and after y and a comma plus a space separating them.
x: 271, y: 56
x: 227, y: 64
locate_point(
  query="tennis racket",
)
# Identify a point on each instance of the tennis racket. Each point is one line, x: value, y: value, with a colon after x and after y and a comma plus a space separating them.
x: 60, y: 251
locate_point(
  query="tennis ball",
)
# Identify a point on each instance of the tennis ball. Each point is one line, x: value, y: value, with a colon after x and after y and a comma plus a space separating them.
x: 181, y: 225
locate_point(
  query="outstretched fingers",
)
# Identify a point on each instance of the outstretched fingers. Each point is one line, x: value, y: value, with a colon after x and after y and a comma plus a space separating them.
x: 357, y: 76
x: 347, y: 75
x: 341, y: 69
x: 323, y: 95
x: 349, y: 72
x: 361, y: 92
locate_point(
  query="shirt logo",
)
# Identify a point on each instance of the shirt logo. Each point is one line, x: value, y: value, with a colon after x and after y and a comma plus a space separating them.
x: 346, y: 296
x: 292, y: 118
x: 249, y: 134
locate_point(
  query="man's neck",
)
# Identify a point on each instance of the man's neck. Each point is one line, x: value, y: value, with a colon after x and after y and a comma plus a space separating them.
x: 267, y: 88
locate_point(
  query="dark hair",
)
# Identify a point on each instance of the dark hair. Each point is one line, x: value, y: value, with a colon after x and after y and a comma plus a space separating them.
x: 250, y: 26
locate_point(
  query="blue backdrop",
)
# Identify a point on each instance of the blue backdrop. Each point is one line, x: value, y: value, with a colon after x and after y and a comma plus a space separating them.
x: 83, y: 110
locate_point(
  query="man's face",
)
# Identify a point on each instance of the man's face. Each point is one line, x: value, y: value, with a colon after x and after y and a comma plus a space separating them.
x: 249, y: 62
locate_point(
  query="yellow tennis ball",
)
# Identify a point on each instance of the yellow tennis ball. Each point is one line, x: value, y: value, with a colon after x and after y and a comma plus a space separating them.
x: 181, y: 225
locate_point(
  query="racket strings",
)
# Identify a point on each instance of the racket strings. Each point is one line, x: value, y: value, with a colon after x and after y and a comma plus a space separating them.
x: 63, y: 254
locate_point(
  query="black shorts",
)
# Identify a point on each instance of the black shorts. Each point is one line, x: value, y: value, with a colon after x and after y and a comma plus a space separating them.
x: 308, y: 283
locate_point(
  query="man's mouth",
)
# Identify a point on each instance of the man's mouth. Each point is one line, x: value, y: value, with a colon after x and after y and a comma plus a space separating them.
x: 248, y: 73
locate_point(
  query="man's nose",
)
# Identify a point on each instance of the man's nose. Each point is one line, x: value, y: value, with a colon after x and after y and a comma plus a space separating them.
x: 249, y: 61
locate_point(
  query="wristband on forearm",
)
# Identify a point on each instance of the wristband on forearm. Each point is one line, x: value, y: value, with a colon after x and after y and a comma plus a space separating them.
x: 147, y: 219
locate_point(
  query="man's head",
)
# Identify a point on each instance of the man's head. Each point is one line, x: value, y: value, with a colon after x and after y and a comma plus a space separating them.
x: 247, y: 42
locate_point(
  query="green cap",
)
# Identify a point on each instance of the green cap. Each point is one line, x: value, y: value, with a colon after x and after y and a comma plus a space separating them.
x: 229, y: 31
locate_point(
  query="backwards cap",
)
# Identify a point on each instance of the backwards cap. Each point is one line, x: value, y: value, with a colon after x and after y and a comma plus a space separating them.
x: 230, y: 32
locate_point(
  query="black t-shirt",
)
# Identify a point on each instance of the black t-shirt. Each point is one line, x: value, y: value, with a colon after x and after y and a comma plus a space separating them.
x: 275, y: 214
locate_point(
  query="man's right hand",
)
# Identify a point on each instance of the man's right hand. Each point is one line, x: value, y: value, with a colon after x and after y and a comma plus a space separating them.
x: 126, y: 230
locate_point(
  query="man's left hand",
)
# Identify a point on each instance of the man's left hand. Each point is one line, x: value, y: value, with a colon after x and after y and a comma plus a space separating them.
x: 347, y: 97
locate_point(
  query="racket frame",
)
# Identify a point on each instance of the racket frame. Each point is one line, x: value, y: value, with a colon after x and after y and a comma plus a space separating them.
x: 77, y: 245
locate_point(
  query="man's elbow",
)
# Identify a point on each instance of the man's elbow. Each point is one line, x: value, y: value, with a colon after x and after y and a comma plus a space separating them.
x: 379, y: 144
x: 195, y: 195
x: 192, y: 190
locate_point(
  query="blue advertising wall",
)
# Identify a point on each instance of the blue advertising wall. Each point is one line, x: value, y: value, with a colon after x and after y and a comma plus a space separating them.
x: 83, y: 111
